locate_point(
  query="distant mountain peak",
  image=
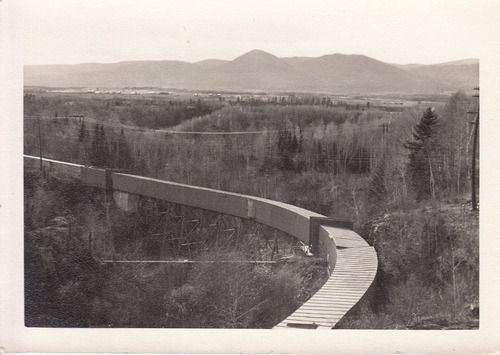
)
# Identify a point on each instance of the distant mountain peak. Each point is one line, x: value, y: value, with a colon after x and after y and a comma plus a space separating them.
x: 257, y: 54
x: 211, y: 63
x: 258, y: 60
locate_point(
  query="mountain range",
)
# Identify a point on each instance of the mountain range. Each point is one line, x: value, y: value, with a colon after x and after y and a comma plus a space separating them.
x: 261, y: 71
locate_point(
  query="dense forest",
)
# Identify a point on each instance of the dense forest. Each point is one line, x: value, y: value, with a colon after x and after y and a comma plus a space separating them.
x: 403, y: 176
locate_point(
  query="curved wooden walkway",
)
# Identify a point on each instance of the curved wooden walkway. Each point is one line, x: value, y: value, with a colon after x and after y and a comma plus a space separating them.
x: 354, y: 272
x: 352, y: 263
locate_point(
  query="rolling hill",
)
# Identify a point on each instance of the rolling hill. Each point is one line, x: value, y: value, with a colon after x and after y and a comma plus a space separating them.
x: 262, y: 71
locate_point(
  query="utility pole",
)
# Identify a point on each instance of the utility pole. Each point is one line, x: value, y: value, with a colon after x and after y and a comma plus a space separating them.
x: 474, y: 151
x: 84, y: 141
x: 40, y: 143
x: 90, y: 243
x: 385, y: 132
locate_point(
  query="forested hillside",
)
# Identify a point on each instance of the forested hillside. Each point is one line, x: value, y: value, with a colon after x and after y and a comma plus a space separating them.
x: 403, y: 176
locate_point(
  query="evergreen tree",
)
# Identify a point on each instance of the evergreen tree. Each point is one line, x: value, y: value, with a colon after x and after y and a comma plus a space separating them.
x: 420, y: 148
x: 99, y: 154
x: 287, y: 148
x: 82, y: 134
x: 294, y: 145
x: 124, y: 157
x: 104, y: 149
x: 94, y: 152
x: 82, y: 138
x: 319, y: 157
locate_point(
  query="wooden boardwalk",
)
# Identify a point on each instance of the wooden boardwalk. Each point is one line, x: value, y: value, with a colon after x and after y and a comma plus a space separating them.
x: 353, y: 274
x: 352, y: 263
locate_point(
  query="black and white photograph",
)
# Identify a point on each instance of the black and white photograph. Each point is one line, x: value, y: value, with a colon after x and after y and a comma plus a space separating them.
x: 286, y: 168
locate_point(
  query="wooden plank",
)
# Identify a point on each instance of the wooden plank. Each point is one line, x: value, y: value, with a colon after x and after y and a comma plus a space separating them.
x: 355, y: 262
x: 316, y: 323
x: 355, y: 277
x: 330, y: 296
x: 308, y: 321
x: 327, y: 296
x: 330, y: 301
x: 359, y: 259
x: 342, y: 290
x: 315, y: 319
x: 342, y: 283
x: 331, y: 305
x: 341, y: 269
x: 347, y: 283
x: 325, y: 310
x: 362, y: 274
x: 320, y: 314
x: 307, y: 325
x: 339, y: 291
x: 359, y: 270
x: 316, y: 310
x: 361, y: 277
x: 342, y: 294
x: 346, y: 286
x: 338, y: 295
x: 355, y: 259
x: 334, y: 293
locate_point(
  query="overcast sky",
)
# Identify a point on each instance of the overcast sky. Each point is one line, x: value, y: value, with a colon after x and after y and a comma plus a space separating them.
x: 63, y: 31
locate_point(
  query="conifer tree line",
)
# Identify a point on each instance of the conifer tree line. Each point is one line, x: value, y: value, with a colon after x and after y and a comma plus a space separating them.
x: 420, y: 157
x: 436, y: 159
x: 327, y: 156
x: 288, y: 148
x: 102, y: 152
x: 440, y: 152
